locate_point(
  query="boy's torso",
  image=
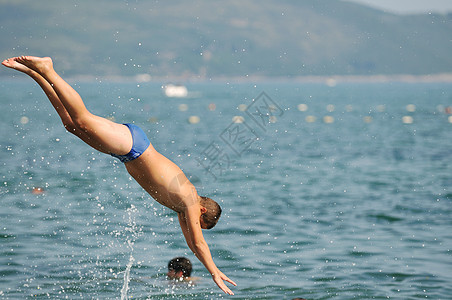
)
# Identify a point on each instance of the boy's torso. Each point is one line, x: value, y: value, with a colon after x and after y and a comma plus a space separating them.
x: 163, y: 180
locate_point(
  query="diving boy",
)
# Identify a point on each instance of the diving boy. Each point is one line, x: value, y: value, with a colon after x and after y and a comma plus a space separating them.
x: 159, y: 176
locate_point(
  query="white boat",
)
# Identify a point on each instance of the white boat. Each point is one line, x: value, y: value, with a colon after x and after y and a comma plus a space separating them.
x: 175, y: 91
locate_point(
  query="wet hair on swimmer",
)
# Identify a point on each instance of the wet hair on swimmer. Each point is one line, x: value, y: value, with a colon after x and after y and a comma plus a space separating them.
x: 213, y: 213
x: 180, y: 264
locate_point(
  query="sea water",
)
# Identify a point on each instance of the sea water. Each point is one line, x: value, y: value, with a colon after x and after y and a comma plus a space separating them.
x: 328, y: 192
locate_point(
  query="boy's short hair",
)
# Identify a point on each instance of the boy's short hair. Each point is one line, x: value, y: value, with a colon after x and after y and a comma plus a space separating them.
x: 213, y: 213
x: 180, y: 264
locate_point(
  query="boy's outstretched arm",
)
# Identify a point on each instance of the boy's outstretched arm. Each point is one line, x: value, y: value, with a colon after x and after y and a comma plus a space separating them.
x: 189, y: 222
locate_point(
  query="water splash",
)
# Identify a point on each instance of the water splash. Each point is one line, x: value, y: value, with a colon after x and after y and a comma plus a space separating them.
x: 125, y: 286
x: 134, y: 231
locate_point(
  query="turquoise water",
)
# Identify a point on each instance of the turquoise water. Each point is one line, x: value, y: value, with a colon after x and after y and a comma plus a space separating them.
x: 358, y: 208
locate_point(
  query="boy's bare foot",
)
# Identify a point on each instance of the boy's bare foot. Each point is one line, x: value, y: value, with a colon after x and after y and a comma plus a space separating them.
x: 38, y: 64
x: 14, y: 64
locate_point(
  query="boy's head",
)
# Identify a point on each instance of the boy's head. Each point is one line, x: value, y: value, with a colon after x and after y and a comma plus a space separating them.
x: 179, y: 267
x: 211, y: 214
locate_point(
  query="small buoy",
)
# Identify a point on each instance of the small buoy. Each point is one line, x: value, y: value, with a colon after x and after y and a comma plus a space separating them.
x: 310, y: 119
x: 450, y: 119
x: 243, y: 107
x: 183, y: 107
x: 153, y: 120
x: 381, y: 108
x: 330, y: 107
x: 411, y: 108
x: 328, y: 119
x: 407, y: 119
x: 212, y: 106
x: 448, y: 110
x: 272, y: 119
x: 193, y: 120
x: 238, y: 119
x: 302, y: 107
x: 331, y: 82
x: 24, y: 120
x: 367, y: 119
x: 37, y: 191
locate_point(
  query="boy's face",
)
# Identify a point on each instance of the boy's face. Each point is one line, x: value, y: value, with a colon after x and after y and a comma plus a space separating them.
x: 172, y: 274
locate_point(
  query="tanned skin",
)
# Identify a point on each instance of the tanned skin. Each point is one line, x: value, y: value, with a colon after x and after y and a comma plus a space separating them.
x: 159, y: 176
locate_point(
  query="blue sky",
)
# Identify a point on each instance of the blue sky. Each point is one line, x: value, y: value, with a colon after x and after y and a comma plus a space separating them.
x: 410, y: 6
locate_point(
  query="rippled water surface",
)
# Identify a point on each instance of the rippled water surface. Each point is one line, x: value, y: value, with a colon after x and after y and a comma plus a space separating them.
x: 334, y: 199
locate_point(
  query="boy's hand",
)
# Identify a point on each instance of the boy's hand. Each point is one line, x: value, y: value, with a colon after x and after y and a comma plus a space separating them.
x: 218, y: 279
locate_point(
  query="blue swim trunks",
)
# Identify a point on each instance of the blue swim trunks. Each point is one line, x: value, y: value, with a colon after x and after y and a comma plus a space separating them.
x: 140, y: 144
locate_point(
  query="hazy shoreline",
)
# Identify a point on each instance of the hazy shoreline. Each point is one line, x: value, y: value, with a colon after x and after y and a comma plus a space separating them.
x: 328, y: 80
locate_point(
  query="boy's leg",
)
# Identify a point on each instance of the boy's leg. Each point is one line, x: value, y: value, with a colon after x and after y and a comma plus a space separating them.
x: 100, y: 133
x: 53, y: 97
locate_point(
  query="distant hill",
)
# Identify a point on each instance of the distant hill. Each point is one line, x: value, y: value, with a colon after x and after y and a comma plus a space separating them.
x: 211, y: 38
